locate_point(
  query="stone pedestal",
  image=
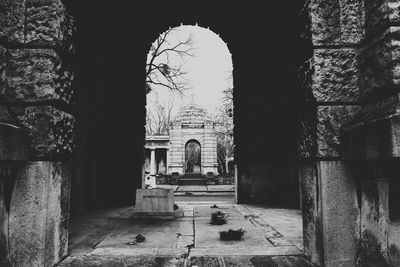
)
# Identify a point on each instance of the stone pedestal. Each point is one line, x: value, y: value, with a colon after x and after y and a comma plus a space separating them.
x: 156, y: 203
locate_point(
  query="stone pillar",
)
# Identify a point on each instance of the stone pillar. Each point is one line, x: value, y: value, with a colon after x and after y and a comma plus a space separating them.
x: 153, y: 170
x: 168, y: 159
x: 36, y: 77
x: 329, y: 86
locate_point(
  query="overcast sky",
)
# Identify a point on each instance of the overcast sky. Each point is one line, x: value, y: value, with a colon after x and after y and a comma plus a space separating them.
x: 207, y: 71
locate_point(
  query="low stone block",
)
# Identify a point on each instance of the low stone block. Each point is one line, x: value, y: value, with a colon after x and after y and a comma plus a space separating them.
x: 51, y: 130
x: 34, y: 75
x: 39, y: 214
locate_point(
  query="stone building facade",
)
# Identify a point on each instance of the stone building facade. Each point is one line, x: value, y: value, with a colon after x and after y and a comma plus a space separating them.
x: 348, y: 124
x: 168, y: 153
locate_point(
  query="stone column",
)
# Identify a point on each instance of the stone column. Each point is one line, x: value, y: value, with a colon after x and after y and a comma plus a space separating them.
x: 167, y: 164
x: 36, y: 81
x: 329, y: 85
x: 153, y: 170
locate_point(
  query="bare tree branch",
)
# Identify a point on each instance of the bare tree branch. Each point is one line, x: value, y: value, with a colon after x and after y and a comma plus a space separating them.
x: 160, y: 71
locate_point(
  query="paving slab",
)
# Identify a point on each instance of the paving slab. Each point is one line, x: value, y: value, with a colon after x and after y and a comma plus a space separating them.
x: 221, y: 188
x: 207, y: 235
x: 192, y: 188
x: 157, y: 233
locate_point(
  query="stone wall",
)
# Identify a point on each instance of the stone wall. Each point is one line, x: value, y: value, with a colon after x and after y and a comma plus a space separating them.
x: 348, y: 121
x: 36, y: 84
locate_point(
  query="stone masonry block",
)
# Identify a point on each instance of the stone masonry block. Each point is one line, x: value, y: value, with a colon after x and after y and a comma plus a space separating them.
x: 336, y: 22
x: 34, y: 75
x: 325, y: 19
x: 351, y: 21
x: 48, y: 22
x: 37, y: 22
x: 38, y: 220
x: 12, y: 21
x: 51, y: 130
x: 336, y: 75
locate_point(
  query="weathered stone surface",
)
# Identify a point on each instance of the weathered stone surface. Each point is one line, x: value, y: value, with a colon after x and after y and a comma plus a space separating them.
x: 351, y: 21
x: 325, y: 18
x: 330, y: 213
x: 336, y: 75
x: 48, y: 22
x: 330, y: 120
x: 340, y: 214
x: 38, y: 214
x: 12, y: 19
x: 34, y: 75
x: 38, y: 22
x: 311, y: 211
x: 336, y: 22
x: 51, y: 130
x: 380, y: 65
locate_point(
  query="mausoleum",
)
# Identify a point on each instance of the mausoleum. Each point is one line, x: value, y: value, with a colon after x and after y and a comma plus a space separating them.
x: 191, y: 146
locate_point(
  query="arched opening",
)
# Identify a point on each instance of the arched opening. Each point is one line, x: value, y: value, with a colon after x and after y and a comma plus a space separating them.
x: 264, y: 117
x: 193, y: 157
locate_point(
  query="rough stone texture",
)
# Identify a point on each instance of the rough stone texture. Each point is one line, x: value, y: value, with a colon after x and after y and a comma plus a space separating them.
x: 380, y: 65
x: 330, y: 213
x: 34, y: 75
x: 51, y: 130
x: 39, y: 214
x: 48, y: 22
x: 336, y: 75
x: 37, y: 22
x: 337, y: 22
x: 330, y: 120
x: 12, y: 18
x: 351, y: 21
x: 325, y: 17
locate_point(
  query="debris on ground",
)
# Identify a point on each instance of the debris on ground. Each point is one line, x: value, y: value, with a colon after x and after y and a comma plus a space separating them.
x: 231, y: 234
x: 218, y: 218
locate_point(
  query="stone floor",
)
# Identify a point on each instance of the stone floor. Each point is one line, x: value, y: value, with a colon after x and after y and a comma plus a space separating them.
x: 107, y: 238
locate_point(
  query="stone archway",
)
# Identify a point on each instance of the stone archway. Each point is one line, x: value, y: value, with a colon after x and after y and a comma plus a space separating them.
x: 342, y: 73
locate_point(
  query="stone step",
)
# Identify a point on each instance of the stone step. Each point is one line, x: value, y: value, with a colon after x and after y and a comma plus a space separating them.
x: 192, y: 181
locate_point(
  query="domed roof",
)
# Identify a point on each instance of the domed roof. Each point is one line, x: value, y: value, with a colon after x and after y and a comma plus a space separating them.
x: 192, y: 115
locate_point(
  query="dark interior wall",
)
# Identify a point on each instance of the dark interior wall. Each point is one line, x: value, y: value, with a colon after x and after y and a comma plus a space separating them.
x: 112, y: 43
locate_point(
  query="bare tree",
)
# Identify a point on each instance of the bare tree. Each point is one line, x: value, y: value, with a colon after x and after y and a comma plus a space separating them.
x: 159, y: 116
x: 160, y: 67
x: 223, y: 122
